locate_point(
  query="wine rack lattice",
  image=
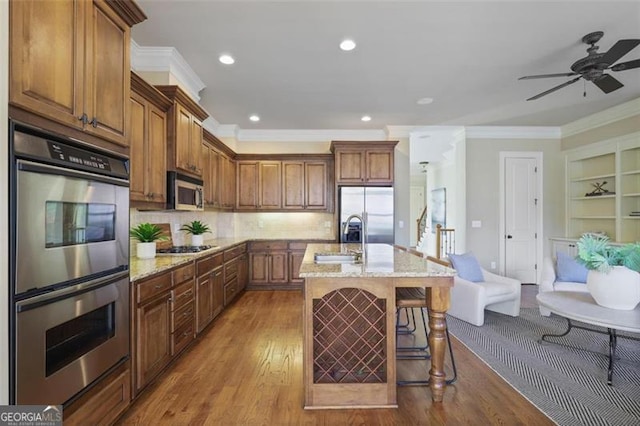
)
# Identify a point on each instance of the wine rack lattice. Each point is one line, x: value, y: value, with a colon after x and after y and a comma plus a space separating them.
x: 349, y: 337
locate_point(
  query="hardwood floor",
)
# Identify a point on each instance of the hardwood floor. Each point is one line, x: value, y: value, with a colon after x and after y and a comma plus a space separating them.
x: 247, y: 370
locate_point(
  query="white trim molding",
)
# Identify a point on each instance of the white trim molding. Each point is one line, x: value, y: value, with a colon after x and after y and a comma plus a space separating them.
x: 166, y: 59
x: 602, y: 118
x: 513, y: 132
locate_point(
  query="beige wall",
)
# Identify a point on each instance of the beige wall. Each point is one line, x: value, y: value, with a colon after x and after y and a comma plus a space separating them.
x: 483, y: 197
x: 602, y: 133
x: 276, y: 147
x: 402, y: 193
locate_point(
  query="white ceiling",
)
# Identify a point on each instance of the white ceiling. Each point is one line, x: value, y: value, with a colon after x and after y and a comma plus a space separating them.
x: 466, y: 55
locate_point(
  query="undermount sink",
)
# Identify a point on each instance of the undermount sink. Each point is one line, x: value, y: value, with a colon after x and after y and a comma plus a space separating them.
x: 337, y: 257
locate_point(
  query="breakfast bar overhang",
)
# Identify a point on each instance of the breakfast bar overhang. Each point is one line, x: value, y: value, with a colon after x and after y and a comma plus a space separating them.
x: 349, y: 349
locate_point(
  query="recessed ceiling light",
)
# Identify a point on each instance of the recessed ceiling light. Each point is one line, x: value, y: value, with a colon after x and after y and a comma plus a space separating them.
x: 425, y: 101
x: 347, y: 45
x: 254, y: 117
x: 366, y: 118
x: 226, y: 59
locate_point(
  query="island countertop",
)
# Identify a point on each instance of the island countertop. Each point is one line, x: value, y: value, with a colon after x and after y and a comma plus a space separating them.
x: 380, y: 260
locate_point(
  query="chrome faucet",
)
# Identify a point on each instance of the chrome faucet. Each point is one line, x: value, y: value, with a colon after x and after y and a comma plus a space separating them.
x: 363, y: 231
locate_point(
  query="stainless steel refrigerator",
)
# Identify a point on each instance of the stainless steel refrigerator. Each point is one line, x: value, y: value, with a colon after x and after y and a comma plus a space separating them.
x: 377, y: 205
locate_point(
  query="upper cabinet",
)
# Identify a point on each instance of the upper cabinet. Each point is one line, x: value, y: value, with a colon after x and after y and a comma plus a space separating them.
x: 74, y: 69
x: 363, y: 162
x: 184, y: 132
x: 603, y: 189
x: 259, y: 185
x: 305, y: 184
x: 148, y: 140
x: 218, y: 173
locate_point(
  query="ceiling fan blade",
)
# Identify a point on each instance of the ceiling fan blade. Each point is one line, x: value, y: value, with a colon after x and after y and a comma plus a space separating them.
x: 607, y: 84
x: 565, y: 74
x: 626, y: 65
x: 553, y: 89
x: 621, y: 48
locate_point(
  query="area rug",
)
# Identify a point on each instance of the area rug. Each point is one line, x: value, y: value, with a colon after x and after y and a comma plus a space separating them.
x: 566, y: 382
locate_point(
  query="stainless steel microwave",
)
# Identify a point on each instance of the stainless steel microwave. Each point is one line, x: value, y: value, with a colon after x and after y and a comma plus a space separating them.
x: 184, y: 192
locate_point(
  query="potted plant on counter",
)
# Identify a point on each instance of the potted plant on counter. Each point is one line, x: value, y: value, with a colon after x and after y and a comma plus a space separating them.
x: 196, y: 229
x: 614, y: 271
x: 147, y: 234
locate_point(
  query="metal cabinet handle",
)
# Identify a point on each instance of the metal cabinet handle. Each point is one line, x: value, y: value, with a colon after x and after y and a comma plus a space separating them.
x: 509, y: 237
x: 84, y: 118
x: 94, y: 122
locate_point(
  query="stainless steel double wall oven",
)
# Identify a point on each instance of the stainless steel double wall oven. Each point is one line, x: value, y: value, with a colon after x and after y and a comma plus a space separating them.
x: 70, y: 265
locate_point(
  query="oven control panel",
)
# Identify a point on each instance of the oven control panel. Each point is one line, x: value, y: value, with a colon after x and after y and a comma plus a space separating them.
x: 72, y: 155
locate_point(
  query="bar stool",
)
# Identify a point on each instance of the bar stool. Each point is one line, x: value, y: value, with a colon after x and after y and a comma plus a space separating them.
x: 406, y: 300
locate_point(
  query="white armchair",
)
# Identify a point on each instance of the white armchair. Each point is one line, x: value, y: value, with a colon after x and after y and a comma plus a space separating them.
x: 548, y: 282
x: 497, y: 293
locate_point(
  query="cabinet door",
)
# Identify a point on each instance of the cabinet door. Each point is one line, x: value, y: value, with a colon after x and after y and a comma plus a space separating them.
x: 206, y: 174
x: 214, y: 177
x: 183, y: 139
x: 243, y: 271
x: 293, y: 185
x: 379, y: 166
x: 204, y: 301
x: 350, y: 166
x: 259, y: 268
x: 46, y: 58
x: 295, y: 260
x: 278, y: 267
x: 153, y: 339
x: 107, y: 73
x: 217, y: 293
x: 270, y: 185
x: 195, y: 146
x: 232, y: 183
x: 247, y: 196
x: 137, y: 155
x: 316, y: 188
x: 156, y: 155
x: 567, y: 247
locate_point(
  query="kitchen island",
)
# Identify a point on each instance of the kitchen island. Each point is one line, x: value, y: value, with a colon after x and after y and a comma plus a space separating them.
x: 349, y: 325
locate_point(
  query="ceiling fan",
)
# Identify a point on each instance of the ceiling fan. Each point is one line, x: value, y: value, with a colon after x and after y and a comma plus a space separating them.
x: 592, y: 66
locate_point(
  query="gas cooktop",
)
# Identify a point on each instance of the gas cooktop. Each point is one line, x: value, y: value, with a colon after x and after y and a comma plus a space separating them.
x: 184, y: 250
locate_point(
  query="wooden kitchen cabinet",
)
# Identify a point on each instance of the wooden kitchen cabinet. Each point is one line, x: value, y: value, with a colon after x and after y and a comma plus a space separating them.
x: 305, y: 185
x: 227, y: 182
x: 364, y: 163
x: 209, y: 288
x: 184, y: 135
x: 210, y: 175
x: 219, y: 173
x: 268, y: 263
x: 259, y: 185
x: 234, y: 272
x: 148, y: 141
x: 163, y: 321
x: 74, y: 69
x: 296, y: 255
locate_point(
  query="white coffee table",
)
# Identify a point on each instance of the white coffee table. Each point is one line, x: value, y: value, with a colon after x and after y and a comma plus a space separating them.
x: 581, y: 307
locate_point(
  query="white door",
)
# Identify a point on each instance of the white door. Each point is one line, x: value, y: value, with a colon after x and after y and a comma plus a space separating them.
x: 521, y: 218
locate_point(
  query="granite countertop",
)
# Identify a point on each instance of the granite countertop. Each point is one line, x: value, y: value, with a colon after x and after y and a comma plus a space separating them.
x: 381, y: 260
x: 142, y: 268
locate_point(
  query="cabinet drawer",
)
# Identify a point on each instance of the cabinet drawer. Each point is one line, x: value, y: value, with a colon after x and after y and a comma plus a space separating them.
x: 230, y: 270
x: 152, y: 287
x: 297, y: 245
x: 182, y: 295
x: 204, y: 266
x: 182, y: 316
x: 234, y: 252
x: 268, y: 245
x: 230, y: 291
x: 181, y: 338
x: 183, y: 273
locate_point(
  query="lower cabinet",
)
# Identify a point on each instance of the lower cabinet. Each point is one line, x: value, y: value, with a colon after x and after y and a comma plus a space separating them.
x: 235, y: 265
x: 104, y: 402
x: 163, y: 321
x: 209, y: 288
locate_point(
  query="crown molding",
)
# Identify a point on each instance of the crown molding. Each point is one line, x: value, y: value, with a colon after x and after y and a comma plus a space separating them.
x: 166, y: 59
x: 514, y: 132
x: 602, y: 118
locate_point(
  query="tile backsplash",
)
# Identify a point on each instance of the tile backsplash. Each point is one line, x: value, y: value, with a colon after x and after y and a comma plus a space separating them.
x: 288, y: 225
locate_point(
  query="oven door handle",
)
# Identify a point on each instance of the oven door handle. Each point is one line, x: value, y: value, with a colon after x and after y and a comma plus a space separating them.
x: 30, y: 166
x: 67, y: 292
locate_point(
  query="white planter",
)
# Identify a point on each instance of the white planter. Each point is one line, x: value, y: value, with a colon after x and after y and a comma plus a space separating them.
x: 619, y: 289
x: 146, y: 250
x: 196, y: 240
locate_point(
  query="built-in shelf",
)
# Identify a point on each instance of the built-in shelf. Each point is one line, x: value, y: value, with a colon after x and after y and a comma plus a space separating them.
x: 586, y: 178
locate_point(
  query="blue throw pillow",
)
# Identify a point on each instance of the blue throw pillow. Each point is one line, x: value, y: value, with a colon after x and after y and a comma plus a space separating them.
x: 467, y: 267
x: 568, y: 269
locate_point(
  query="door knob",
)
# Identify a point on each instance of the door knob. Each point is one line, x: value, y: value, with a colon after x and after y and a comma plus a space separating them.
x: 509, y: 236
